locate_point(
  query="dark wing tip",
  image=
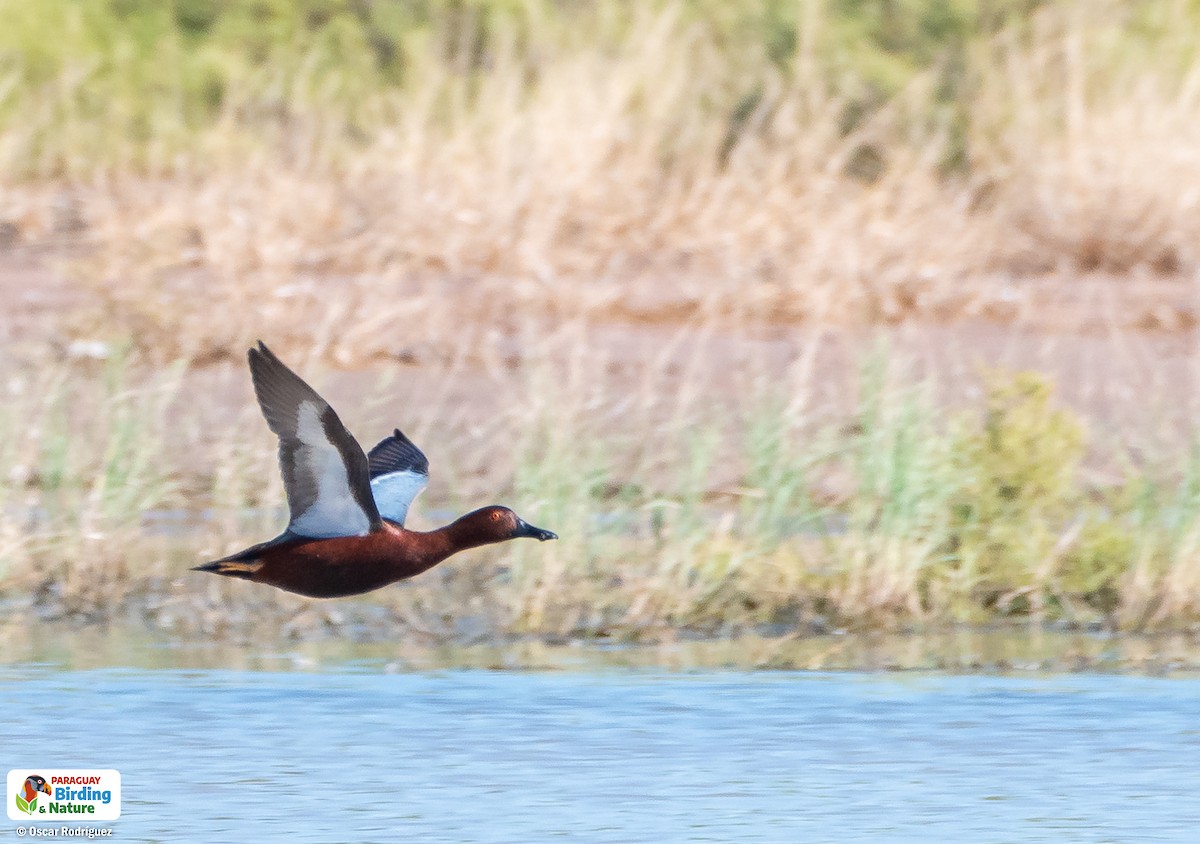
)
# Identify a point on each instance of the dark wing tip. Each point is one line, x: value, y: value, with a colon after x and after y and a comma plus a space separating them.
x: 397, y: 453
x: 259, y: 358
x: 280, y: 391
x: 262, y: 354
x: 265, y: 365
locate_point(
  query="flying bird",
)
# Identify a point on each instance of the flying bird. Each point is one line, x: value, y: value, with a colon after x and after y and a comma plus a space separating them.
x: 346, y: 533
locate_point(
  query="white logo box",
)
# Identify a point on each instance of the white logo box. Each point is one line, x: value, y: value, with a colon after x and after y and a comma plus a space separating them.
x: 76, y: 795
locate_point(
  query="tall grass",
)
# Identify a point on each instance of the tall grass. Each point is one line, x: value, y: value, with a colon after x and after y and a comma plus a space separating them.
x: 689, y: 518
x: 352, y: 169
x: 135, y: 83
x: 1085, y: 127
x: 83, y: 458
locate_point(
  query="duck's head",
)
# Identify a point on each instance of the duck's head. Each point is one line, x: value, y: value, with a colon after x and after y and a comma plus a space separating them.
x: 496, y: 524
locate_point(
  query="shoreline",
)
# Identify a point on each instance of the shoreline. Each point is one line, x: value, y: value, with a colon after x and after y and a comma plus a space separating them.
x: 367, y: 637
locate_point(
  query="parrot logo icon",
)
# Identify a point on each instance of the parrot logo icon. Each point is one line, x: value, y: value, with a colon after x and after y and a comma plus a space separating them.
x: 27, y: 796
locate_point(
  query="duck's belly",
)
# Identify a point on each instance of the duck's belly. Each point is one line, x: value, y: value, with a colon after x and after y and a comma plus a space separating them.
x: 331, y: 568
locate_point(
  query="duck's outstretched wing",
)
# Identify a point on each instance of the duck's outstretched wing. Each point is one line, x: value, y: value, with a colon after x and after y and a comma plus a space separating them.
x: 324, y: 469
x: 399, y: 471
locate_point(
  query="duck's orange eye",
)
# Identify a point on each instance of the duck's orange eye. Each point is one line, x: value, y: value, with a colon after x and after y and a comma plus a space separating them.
x: 495, y: 517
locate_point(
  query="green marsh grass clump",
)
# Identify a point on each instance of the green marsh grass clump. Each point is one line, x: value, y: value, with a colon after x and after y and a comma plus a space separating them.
x: 990, y: 515
x: 1031, y: 537
x: 1019, y: 494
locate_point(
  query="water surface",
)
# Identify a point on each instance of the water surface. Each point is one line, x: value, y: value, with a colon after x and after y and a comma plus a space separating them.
x: 368, y: 750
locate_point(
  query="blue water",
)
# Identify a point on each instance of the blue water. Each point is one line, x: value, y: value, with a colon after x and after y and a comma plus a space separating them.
x: 617, y: 756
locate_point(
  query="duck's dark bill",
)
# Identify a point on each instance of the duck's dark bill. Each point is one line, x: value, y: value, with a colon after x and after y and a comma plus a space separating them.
x: 526, y: 529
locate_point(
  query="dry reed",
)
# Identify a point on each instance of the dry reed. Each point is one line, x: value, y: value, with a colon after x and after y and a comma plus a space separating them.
x: 652, y: 172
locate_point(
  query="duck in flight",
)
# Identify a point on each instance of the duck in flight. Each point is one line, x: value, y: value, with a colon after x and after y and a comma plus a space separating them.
x: 346, y: 535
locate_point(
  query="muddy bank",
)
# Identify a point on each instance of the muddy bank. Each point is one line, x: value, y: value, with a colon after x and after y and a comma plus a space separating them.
x: 368, y: 639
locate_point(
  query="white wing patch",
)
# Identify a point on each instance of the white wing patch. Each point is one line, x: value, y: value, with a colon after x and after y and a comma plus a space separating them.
x: 395, y: 491
x: 334, y: 512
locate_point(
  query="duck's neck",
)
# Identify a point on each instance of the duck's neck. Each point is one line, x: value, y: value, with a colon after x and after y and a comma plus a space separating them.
x: 459, y: 535
x: 469, y: 531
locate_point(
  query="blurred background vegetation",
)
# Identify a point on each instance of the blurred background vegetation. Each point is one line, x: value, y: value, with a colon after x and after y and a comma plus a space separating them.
x: 133, y: 83
x: 491, y: 193
x: 823, y: 159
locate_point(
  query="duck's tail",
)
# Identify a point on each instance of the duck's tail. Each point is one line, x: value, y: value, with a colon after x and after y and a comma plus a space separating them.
x: 232, y: 568
x: 243, y: 564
